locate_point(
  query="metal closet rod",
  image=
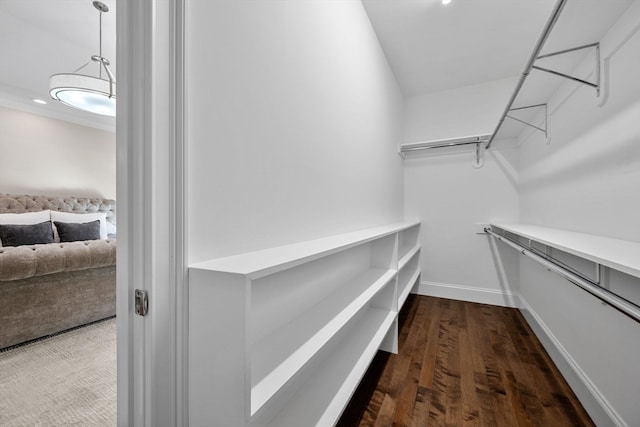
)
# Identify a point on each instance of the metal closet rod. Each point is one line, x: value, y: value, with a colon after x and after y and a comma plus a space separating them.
x: 527, y: 69
x: 624, y: 306
x: 441, y: 143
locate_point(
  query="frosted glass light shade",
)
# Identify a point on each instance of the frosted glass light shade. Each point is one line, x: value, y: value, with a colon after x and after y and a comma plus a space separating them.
x: 84, y: 93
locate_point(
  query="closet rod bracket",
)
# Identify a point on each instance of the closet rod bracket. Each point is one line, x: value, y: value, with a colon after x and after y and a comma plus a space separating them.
x: 595, y: 85
x: 546, y: 118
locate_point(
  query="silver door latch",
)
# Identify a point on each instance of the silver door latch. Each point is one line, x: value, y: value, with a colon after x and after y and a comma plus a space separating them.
x: 142, y: 302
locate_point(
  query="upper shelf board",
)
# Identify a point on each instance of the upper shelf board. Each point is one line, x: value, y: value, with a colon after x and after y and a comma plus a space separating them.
x: 621, y: 255
x: 268, y: 261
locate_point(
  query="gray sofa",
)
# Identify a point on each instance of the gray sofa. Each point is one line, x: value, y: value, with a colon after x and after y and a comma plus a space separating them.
x: 52, y: 287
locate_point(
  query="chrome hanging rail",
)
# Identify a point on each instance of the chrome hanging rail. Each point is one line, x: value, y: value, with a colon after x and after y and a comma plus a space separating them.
x: 527, y: 69
x: 624, y: 306
x: 441, y: 143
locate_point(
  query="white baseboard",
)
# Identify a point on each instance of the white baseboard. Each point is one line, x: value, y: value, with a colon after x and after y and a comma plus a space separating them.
x: 594, y: 402
x: 471, y: 294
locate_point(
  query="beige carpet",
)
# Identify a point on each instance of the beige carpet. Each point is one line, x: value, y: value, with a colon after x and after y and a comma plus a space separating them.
x: 66, y: 380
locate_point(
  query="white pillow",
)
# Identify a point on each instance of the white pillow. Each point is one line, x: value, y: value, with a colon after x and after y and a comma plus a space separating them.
x: 75, y: 218
x: 111, y: 229
x: 27, y: 218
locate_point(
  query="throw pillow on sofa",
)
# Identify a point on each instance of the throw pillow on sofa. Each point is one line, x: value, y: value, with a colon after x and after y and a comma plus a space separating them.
x: 73, y: 232
x: 69, y: 217
x: 25, y: 218
x: 30, y: 234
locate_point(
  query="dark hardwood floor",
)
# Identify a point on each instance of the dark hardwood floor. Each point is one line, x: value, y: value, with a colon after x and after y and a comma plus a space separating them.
x: 463, y: 364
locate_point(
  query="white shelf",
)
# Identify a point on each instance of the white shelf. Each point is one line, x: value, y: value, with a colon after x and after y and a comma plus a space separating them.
x: 408, y: 274
x: 279, y: 356
x: 261, y: 263
x: 408, y: 243
x: 404, y: 293
x: 288, y: 332
x: 341, y: 372
x: 280, y: 298
x: 409, y: 253
x: 621, y: 255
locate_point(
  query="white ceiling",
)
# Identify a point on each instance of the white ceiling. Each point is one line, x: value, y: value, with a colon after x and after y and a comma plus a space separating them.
x: 433, y: 47
x: 430, y: 47
x: 581, y: 22
x: 39, y: 38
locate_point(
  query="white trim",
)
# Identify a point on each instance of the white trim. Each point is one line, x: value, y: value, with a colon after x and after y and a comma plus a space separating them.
x: 594, y: 402
x: 151, y: 192
x: 179, y: 224
x: 469, y: 293
x: 129, y: 128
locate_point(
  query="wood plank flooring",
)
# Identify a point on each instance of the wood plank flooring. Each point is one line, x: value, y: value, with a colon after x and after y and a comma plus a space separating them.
x: 463, y: 364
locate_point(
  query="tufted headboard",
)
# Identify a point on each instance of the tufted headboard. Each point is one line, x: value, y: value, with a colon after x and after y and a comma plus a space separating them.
x: 19, y: 203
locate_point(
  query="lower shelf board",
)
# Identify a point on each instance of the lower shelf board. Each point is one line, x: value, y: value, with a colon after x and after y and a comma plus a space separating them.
x: 406, y: 254
x: 278, y: 357
x: 404, y: 289
x: 325, y: 394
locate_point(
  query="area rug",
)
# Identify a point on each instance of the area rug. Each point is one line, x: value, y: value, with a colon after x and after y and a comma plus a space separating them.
x: 65, y: 380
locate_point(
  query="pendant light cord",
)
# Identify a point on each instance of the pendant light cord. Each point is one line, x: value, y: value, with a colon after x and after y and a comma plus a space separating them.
x: 100, y: 40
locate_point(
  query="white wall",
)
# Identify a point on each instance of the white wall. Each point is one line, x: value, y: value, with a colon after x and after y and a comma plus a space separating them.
x: 293, y: 121
x: 45, y: 156
x: 465, y: 111
x: 450, y: 196
x: 588, y: 180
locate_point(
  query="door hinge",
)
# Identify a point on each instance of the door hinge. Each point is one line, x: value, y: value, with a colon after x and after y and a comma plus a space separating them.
x: 142, y: 302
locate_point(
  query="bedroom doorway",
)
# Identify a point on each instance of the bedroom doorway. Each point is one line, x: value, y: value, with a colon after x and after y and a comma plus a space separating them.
x: 60, y: 367
x: 148, y: 160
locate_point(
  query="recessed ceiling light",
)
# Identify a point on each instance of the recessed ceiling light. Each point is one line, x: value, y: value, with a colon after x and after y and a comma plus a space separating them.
x: 446, y: 2
x: 39, y: 101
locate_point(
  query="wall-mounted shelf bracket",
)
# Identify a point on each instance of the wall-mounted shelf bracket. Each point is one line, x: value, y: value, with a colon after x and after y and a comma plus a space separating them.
x: 543, y: 130
x: 595, y: 85
x: 600, y: 274
x: 478, y: 160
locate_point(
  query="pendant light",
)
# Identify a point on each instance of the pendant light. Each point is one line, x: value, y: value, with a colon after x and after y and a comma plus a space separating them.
x: 88, y: 93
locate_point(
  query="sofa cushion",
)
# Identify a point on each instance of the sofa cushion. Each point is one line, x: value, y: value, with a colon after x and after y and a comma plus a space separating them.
x: 73, y: 232
x: 22, y: 262
x: 26, y: 234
